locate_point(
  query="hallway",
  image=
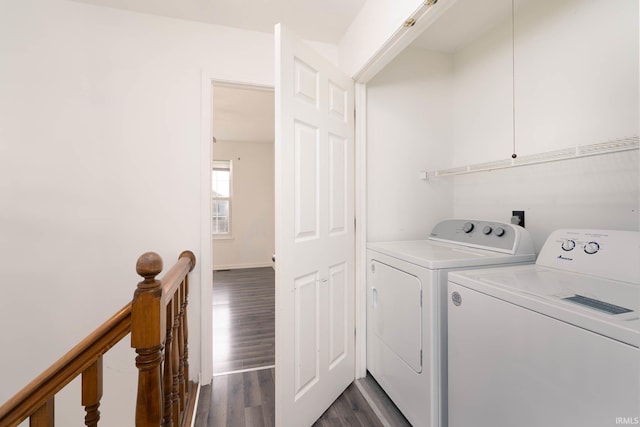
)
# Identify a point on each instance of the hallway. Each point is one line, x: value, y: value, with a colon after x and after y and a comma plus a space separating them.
x: 242, y: 392
x: 243, y: 319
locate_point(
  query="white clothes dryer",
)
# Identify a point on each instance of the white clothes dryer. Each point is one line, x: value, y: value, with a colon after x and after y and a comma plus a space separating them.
x: 406, y: 307
x: 550, y: 344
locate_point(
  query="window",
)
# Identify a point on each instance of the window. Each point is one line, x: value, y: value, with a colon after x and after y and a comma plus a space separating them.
x: 221, y: 197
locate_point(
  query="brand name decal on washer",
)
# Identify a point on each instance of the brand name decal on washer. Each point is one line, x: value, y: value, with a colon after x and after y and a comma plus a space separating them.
x: 456, y: 298
x: 565, y: 258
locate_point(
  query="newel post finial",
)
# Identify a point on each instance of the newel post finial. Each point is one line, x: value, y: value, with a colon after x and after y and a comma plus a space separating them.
x: 149, y: 265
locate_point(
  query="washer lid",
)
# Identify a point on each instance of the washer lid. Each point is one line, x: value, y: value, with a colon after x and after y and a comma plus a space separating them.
x: 607, y: 307
x: 440, y: 255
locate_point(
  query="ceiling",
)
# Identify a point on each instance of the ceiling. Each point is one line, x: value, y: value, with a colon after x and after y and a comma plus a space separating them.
x: 243, y: 114
x: 323, y: 21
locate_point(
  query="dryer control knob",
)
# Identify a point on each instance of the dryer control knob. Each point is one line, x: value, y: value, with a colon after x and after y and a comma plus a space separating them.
x: 568, y: 245
x: 467, y: 227
x: 487, y: 230
x: 499, y: 231
x: 591, y: 248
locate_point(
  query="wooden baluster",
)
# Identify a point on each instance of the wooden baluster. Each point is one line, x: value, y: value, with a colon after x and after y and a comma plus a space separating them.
x: 44, y: 415
x: 175, y: 355
x: 148, y: 320
x: 92, y: 392
x: 185, y: 332
x: 181, y: 349
x: 169, y: 368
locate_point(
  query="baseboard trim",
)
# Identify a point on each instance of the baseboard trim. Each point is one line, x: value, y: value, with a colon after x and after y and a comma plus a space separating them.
x: 193, y: 395
x: 239, y: 371
x: 238, y: 266
x: 372, y: 403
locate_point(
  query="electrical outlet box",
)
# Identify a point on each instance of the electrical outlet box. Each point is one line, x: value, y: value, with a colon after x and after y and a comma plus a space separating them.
x: 517, y: 217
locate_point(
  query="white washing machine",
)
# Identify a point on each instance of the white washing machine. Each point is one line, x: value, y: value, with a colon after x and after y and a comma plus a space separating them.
x: 406, y: 307
x: 550, y: 344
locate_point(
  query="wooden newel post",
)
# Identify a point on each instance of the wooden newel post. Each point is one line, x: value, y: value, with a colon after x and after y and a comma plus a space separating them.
x: 148, y: 320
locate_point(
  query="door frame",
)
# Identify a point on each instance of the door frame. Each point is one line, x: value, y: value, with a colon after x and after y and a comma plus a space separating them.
x: 209, y: 79
x: 360, y: 194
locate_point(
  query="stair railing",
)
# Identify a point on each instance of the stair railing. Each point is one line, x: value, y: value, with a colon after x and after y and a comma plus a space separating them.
x: 157, y: 320
x: 160, y: 333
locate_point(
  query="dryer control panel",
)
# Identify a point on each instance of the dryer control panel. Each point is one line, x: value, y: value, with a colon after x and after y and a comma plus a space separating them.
x: 609, y: 254
x: 491, y: 235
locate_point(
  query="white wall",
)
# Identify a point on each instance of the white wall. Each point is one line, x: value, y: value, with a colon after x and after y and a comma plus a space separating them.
x: 252, y: 215
x: 592, y: 192
x: 408, y: 130
x: 576, y: 80
x: 482, y: 101
x: 576, y: 83
x: 100, y: 153
x: 577, y: 69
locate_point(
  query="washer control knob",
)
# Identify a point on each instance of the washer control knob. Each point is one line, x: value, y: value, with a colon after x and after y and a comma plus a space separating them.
x: 499, y: 231
x: 487, y: 230
x: 568, y: 245
x: 591, y: 248
x: 467, y: 227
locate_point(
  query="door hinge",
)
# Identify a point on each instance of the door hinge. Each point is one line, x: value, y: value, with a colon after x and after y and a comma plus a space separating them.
x: 354, y: 224
x: 409, y: 23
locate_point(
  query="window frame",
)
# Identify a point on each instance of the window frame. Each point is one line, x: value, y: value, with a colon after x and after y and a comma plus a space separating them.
x: 220, y: 166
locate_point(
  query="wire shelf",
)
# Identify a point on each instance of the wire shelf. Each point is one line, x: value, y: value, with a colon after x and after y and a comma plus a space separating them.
x: 614, y: 146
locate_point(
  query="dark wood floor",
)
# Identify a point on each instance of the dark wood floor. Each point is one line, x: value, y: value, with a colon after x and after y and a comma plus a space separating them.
x: 243, y: 319
x: 246, y: 399
x: 241, y: 399
x: 244, y: 336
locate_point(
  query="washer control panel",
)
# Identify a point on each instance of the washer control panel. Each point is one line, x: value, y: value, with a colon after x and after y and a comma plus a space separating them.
x: 491, y: 235
x: 589, y: 248
x: 610, y: 254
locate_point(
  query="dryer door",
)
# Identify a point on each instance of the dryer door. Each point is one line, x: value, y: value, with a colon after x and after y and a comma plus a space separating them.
x: 396, y: 312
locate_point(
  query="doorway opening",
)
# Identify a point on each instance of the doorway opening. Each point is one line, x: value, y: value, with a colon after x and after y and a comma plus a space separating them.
x: 242, y: 227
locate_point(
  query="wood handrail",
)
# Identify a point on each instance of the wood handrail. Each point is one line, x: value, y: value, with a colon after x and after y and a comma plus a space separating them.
x: 73, y: 363
x: 157, y: 321
x: 174, y: 277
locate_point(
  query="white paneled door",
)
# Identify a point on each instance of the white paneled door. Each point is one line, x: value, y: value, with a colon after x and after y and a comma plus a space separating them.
x: 314, y: 154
